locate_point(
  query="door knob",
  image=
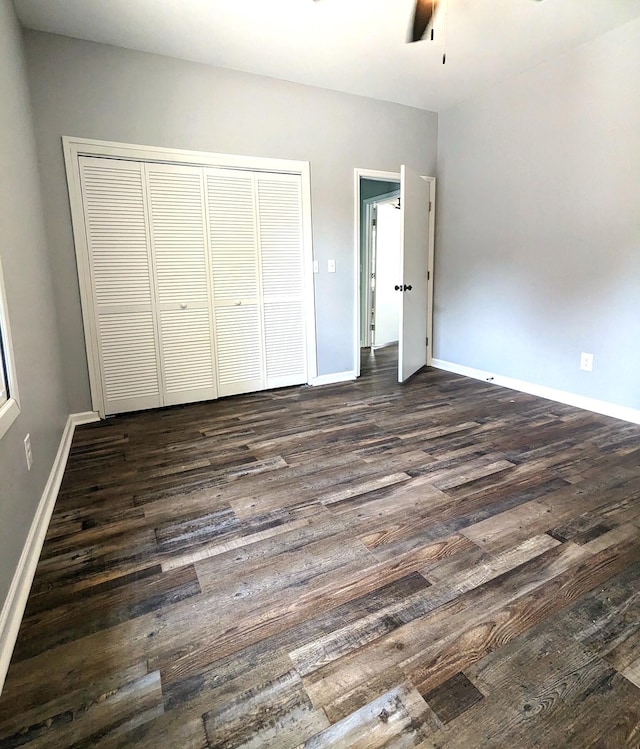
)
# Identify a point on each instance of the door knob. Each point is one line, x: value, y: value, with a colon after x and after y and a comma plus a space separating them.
x: 397, y: 288
x: 407, y: 288
x: 183, y: 306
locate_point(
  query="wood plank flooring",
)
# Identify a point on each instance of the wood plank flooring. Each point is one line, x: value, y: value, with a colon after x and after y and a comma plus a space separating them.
x: 440, y: 564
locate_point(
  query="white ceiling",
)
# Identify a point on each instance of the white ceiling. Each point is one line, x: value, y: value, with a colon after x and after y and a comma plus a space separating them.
x: 357, y: 46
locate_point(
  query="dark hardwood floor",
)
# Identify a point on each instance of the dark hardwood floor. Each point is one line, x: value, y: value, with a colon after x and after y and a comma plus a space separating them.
x: 440, y: 564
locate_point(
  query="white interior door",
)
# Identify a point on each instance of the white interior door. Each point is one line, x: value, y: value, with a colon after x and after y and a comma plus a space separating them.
x: 412, y: 345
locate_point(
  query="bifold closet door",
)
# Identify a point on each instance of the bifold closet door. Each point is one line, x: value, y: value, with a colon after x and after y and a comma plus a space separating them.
x: 235, y: 265
x: 196, y: 281
x: 182, y: 282
x: 255, y: 234
x: 279, y: 198
x: 121, y: 276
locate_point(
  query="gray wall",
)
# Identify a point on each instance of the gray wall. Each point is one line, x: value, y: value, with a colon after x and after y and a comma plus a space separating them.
x: 538, y: 244
x: 32, y: 314
x: 96, y: 91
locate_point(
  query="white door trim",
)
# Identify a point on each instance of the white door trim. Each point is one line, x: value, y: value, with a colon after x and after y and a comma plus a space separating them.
x: 389, y: 177
x: 75, y: 147
x: 430, y: 267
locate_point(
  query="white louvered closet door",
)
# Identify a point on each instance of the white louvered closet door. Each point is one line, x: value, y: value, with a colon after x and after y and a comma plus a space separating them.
x: 281, y: 256
x: 120, y: 266
x: 233, y: 239
x: 182, y: 276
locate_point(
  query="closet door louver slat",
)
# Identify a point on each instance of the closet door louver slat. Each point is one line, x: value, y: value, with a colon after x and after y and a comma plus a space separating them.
x: 281, y: 240
x: 129, y: 359
x: 120, y: 266
x: 178, y: 233
x: 236, y: 289
x: 239, y: 349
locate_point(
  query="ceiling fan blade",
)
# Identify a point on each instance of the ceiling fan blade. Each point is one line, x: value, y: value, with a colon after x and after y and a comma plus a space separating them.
x: 422, y: 17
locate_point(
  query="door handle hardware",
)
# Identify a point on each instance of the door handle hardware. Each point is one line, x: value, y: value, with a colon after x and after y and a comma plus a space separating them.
x: 407, y: 288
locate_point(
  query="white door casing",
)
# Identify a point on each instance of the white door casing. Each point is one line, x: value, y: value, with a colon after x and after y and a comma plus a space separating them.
x: 414, y: 276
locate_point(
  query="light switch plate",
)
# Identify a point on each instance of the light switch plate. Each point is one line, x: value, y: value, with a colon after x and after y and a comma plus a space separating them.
x: 331, y: 266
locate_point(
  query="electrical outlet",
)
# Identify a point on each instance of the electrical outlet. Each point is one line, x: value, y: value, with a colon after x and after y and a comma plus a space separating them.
x: 586, y: 362
x: 27, y: 452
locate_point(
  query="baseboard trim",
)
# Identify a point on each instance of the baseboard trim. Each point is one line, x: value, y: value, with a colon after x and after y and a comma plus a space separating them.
x: 625, y: 413
x: 84, y: 417
x: 16, y: 601
x: 334, y: 378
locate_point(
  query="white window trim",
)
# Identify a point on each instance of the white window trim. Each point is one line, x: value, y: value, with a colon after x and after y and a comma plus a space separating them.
x: 74, y: 147
x: 9, y: 410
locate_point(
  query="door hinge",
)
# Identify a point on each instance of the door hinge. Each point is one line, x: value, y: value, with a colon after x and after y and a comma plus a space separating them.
x: 427, y: 340
x: 374, y: 222
x: 373, y: 326
x: 428, y: 275
x: 430, y: 206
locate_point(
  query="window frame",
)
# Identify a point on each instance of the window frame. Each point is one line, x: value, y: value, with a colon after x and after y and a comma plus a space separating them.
x: 9, y: 409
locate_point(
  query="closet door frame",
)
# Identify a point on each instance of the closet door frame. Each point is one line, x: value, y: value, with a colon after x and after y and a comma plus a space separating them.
x: 74, y: 147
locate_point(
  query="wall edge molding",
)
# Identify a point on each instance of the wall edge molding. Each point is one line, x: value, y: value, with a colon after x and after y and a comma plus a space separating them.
x: 16, y: 601
x: 605, y: 408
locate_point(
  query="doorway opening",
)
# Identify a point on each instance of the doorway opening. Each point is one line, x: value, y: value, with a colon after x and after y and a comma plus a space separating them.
x: 394, y: 237
x: 379, y: 259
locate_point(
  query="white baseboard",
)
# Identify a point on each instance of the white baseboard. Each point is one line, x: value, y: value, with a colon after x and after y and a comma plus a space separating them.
x: 84, y: 417
x: 334, y: 378
x: 14, y: 605
x: 625, y: 413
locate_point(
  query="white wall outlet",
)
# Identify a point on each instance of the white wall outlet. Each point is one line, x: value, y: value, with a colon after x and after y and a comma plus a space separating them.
x: 331, y: 266
x: 586, y: 362
x: 316, y: 266
x: 27, y: 452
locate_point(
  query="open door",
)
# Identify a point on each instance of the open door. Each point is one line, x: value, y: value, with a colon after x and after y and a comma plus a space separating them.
x: 414, y: 200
